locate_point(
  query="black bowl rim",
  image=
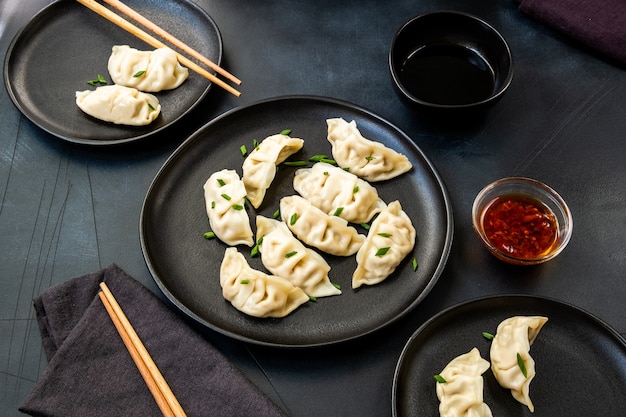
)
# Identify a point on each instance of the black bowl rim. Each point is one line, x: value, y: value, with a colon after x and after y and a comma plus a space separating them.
x: 414, y: 100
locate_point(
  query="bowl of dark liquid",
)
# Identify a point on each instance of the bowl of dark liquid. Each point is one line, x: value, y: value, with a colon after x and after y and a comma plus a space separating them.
x: 449, y: 61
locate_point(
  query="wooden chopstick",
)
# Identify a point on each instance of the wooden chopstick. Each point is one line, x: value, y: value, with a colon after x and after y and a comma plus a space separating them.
x: 151, y: 40
x: 163, y: 395
x: 118, y: 5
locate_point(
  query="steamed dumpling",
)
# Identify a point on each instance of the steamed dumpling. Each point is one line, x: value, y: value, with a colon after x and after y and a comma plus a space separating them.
x: 367, y: 159
x: 259, y: 167
x: 461, y: 395
x: 254, y: 292
x: 284, y: 255
x: 120, y: 105
x: 149, y: 71
x: 224, y: 197
x: 338, y: 192
x: 390, y: 239
x: 330, y: 234
x: 514, y: 336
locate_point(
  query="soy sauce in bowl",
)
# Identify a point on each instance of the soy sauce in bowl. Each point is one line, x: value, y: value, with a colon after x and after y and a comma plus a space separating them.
x: 448, y: 75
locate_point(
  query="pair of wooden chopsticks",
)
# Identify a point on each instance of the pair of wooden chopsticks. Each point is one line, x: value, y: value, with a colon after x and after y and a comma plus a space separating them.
x: 157, y: 385
x: 151, y: 40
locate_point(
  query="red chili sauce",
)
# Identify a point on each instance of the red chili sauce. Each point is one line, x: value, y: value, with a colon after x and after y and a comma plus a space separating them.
x: 520, y: 226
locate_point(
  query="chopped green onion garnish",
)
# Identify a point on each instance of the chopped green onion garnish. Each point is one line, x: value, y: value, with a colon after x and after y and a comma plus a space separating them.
x: 311, y: 298
x: 101, y: 79
x: 212, y: 204
x: 295, y: 163
x: 243, y: 150
x: 276, y: 214
x: 414, y: 264
x: 336, y: 285
x: 325, y: 172
x: 488, y: 336
x: 221, y: 182
x: 285, y: 132
x: 238, y: 207
x: 138, y: 73
x: 382, y: 251
x: 384, y: 234
x: 369, y: 158
x: 440, y: 379
x: 347, y: 169
x: 255, y: 143
x: 151, y: 107
x: 365, y: 226
x: 338, y: 211
x: 245, y: 281
x: 293, y: 219
x: 522, y: 365
x: 322, y: 158
x: 208, y: 235
x: 355, y: 190
x: 226, y: 197
x: 260, y: 241
x: 255, y: 251
x: 290, y: 254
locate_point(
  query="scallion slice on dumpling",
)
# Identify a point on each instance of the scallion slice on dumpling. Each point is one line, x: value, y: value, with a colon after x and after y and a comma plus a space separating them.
x: 365, y: 158
x: 511, y: 362
x: 254, y: 292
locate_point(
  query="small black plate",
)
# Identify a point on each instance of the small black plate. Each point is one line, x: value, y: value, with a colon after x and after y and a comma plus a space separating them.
x: 186, y: 266
x: 65, y: 45
x: 580, y: 361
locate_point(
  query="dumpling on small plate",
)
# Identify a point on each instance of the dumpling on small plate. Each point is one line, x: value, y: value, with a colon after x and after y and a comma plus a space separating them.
x: 284, y: 255
x: 460, y: 387
x: 120, y: 105
x: 149, y: 71
x: 225, y: 201
x: 330, y: 234
x: 254, y: 292
x: 390, y: 239
x: 259, y: 167
x: 365, y: 158
x: 511, y: 362
x: 338, y: 192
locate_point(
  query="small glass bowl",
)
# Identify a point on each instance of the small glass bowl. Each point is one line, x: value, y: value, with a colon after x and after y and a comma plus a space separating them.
x: 530, y: 191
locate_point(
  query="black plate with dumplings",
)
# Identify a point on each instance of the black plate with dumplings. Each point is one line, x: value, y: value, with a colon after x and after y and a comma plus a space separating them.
x: 65, y: 45
x: 580, y: 361
x: 186, y: 266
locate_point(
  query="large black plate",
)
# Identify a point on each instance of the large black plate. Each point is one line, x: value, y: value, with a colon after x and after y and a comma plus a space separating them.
x: 580, y: 361
x: 186, y: 266
x: 66, y: 44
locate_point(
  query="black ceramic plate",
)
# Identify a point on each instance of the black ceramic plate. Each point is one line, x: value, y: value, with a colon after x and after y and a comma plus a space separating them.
x: 580, y: 361
x: 65, y: 45
x: 186, y: 266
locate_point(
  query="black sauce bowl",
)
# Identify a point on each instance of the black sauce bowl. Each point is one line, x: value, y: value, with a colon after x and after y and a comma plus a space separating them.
x: 448, y: 62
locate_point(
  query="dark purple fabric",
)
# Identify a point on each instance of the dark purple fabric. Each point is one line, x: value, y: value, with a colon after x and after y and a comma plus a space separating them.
x: 599, y: 24
x: 90, y: 372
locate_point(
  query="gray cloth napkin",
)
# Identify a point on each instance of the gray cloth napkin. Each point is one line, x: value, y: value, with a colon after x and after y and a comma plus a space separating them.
x: 90, y: 372
x: 599, y: 24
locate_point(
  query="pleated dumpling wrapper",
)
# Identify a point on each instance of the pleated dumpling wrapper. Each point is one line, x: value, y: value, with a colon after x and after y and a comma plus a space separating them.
x: 284, y: 255
x: 149, y: 71
x: 365, y: 158
x: 511, y: 362
x: 390, y: 239
x: 460, y: 387
x: 225, y: 201
x: 259, y: 167
x: 254, y: 292
x: 120, y: 105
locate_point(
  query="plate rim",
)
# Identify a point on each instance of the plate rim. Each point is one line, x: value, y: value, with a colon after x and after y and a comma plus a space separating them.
x: 11, y: 91
x: 481, y: 299
x: 449, y: 216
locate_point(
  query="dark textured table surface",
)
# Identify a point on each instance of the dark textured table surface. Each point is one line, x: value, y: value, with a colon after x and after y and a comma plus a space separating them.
x: 68, y: 210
